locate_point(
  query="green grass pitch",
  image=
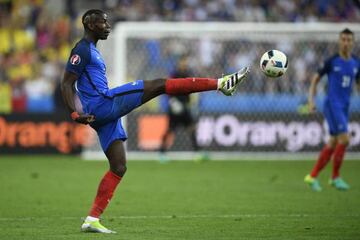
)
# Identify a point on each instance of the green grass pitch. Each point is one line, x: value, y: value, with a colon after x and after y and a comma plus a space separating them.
x: 46, y: 197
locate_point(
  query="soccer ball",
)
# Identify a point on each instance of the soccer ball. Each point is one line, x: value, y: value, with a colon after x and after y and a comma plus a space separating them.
x: 274, y: 63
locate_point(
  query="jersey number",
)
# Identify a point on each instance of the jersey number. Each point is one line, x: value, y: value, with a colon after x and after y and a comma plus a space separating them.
x: 345, y: 81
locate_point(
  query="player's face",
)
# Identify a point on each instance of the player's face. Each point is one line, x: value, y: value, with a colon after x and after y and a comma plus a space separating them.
x: 102, y: 27
x: 346, y: 42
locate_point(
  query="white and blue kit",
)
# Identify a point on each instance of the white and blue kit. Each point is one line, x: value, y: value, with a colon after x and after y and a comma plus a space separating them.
x: 107, y: 105
x: 341, y: 74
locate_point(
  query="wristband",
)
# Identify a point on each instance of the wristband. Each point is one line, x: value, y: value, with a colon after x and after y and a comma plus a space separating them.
x: 74, y: 115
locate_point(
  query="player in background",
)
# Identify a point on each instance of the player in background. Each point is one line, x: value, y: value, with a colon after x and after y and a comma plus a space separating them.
x: 87, y: 95
x: 341, y: 70
x: 179, y: 114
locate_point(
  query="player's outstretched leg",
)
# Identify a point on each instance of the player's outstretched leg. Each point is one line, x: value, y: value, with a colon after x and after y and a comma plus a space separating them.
x: 117, y: 161
x: 182, y: 86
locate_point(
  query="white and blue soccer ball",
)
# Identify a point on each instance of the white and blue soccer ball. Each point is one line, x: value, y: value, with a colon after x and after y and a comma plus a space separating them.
x: 274, y: 63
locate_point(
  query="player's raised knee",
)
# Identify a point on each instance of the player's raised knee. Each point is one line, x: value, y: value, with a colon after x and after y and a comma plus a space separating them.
x: 119, y: 170
x: 344, y: 139
x: 347, y: 141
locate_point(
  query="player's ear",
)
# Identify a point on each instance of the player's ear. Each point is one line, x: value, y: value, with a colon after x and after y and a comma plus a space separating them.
x: 89, y: 22
x: 91, y: 26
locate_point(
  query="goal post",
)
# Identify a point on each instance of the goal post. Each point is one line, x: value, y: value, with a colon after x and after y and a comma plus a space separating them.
x: 266, y: 116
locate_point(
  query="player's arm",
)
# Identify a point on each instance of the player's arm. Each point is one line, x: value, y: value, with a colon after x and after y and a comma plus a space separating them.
x: 68, y: 93
x: 312, y: 92
x: 325, y: 69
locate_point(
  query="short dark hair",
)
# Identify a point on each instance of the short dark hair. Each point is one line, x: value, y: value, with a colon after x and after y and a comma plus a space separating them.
x: 87, y: 16
x: 347, y: 31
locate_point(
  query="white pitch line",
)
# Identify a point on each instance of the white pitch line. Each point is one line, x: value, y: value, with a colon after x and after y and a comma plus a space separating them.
x: 186, y: 217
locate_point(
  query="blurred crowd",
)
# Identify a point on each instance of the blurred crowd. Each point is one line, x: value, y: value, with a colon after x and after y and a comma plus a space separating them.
x: 235, y: 10
x: 34, y: 47
x: 36, y: 40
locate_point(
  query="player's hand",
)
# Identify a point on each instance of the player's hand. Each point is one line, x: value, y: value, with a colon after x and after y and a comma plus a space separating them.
x: 311, y: 107
x: 82, y: 118
x: 85, y: 119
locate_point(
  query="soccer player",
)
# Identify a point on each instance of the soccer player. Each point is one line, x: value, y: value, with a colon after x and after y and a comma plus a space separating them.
x: 341, y: 70
x: 90, y: 101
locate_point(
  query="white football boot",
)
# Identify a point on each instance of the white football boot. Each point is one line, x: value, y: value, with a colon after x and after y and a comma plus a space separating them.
x: 93, y: 225
x: 227, y: 84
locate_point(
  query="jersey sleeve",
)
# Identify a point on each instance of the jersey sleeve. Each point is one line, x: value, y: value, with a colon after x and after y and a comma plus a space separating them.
x: 79, y: 58
x: 325, y: 68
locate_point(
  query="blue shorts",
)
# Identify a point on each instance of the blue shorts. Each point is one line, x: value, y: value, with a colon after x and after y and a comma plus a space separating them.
x: 118, y: 102
x: 337, y: 118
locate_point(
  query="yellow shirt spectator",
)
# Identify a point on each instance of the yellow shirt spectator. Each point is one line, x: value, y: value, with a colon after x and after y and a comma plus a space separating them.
x: 5, y: 98
x: 5, y: 39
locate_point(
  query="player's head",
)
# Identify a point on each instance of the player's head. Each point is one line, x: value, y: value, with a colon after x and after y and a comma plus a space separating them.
x: 346, y: 41
x: 95, y: 21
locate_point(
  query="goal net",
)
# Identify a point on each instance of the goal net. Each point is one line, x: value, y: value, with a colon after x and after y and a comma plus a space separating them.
x: 266, y: 118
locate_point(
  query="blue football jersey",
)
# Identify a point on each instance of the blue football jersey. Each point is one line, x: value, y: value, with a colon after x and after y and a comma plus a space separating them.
x: 107, y: 105
x: 341, y: 74
x: 87, y: 63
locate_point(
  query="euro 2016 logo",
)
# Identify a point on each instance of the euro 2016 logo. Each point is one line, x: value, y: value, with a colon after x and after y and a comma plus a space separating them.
x: 75, y: 59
